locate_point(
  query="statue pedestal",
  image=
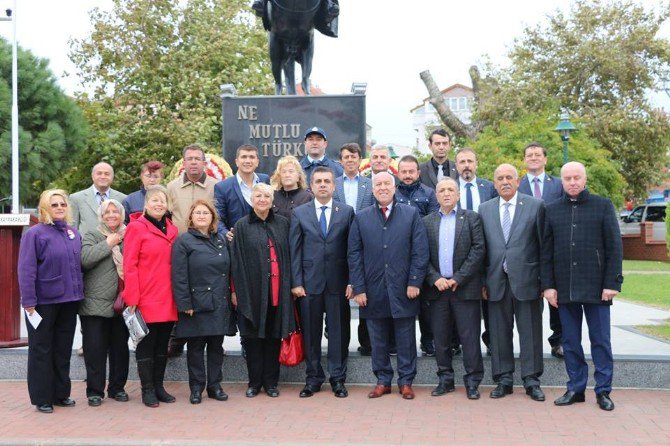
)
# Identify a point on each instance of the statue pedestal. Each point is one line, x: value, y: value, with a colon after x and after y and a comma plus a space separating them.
x: 11, y: 228
x: 277, y: 124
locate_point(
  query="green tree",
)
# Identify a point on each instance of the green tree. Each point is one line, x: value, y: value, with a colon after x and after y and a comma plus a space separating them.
x: 504, y: 143
x: 154, y: 68
x: 52, y: 131
x: 599, y: 60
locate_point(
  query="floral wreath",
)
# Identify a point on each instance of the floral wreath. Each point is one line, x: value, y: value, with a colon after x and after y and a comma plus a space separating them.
x: 216, y: 167
x: 366, y: 170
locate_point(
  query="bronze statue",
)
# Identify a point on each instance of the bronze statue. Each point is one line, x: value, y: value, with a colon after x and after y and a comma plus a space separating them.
x: 291, y: 26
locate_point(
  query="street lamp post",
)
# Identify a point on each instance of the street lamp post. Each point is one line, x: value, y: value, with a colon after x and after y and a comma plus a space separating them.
x: 564, y: 128
x: 11, y: 16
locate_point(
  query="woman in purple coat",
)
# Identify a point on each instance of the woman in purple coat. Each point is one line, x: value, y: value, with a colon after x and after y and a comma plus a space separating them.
x: 51, y: 285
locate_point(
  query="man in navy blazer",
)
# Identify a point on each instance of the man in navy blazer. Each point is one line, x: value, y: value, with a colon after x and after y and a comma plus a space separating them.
x: 352, y: 187
x: 232, y: 196
x: 320, y: 280
x: 388, y: 258
x: 474, y: 191
x: 316, y: 143
x: 539, y: 184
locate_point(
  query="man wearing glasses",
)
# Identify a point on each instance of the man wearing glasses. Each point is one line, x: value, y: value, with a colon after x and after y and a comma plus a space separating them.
x: 151, y: 175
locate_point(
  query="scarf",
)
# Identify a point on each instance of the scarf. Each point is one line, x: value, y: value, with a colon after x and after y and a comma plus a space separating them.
x: 117, y: 255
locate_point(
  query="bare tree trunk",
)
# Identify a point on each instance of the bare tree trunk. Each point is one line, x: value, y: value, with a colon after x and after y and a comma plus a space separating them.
x: 446, y: 115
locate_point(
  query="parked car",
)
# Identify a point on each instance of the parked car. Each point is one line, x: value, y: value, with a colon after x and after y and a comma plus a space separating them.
x: 653, y: 212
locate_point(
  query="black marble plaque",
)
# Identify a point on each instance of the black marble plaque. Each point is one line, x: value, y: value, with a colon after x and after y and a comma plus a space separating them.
x: 277, y: 125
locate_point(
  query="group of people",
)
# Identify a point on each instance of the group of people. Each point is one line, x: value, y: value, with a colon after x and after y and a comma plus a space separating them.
x: 266, y: 255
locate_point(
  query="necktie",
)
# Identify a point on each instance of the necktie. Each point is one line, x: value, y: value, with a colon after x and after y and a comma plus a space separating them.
x: 506, y: 226
x: 322, y: 221
x: 384, y: 209
x: 468, y: 196
x: 506, y: 221
x: 440, y: 172
x: 102, y: 197
x: 536, y: 188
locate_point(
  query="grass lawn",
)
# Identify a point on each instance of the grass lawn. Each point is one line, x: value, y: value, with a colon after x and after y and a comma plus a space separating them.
x: 659, y: 331
x: 645, y: 265
x: 647, y: 289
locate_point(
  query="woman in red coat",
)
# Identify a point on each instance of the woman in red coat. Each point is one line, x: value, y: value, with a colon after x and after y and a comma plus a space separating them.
x: 148, y: 288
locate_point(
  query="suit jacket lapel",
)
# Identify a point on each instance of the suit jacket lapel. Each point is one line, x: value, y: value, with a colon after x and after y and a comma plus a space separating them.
x: 460, y: 219
x: 548, y: 185
x: 313, y: 209
x: 335, y: 214
x: 91, y: 200
x: 339, y: 188
x: 361, y: 192
x: 519, y: 213
x: 431, y: 173
x: 495, y: 215
x: 238, y: 192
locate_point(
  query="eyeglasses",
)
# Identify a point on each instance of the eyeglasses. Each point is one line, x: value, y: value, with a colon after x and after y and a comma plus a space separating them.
x: 193, y: 158
x: 57, y: 205
x: 202, y: 213
x: 151, y: 177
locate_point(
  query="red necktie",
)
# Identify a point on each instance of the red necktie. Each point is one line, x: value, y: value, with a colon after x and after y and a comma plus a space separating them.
x: 384, y: 209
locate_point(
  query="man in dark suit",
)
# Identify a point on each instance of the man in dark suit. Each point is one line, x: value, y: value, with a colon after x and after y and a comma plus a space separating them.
x: 355, y: 190
x: 388, y: 257
x: 513, y: 227
x: 539, y: 184
x: 473, y: 192
x: 320, y: 279
x: 316, y: 143
x: 439, y: 166
x: 232, y: 196
x: 453, y: 287
x: 581, y: 275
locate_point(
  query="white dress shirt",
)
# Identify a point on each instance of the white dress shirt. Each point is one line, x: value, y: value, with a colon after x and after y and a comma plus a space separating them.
x: 328, y: 211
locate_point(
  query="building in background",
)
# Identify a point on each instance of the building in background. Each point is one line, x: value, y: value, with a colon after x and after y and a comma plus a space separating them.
x: 458, y: 97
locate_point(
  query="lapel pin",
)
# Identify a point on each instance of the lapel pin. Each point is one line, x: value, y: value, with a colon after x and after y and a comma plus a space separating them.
x: 70, y: 234
x: 337, y: 209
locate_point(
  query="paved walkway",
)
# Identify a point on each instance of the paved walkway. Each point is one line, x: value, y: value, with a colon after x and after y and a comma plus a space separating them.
x: 625, y: 340
x: 640, y: 418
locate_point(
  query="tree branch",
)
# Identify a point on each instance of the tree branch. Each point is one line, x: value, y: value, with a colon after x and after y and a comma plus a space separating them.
x: 446, y: 115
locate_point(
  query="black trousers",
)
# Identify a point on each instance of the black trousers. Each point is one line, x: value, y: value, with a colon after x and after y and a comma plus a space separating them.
x: 195, y: 358
x: 363, y: 334
x: 338, y: 320
x: 103, y: 337
x: 156, y: 342
x: 463, y: 316
x: 426, y: 340
x: 555, y: 326
x: 49, y: 352
x: 263, y: 355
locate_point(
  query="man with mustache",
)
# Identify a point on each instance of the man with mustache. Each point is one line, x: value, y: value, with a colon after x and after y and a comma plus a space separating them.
x: 513, y: 227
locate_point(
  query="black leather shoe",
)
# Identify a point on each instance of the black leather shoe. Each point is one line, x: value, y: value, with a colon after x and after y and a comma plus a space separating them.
x: 339, y: 390
x: 45, y: 408
x: 308, y: 391
x: 535, y: 393
x: 501, y: 390
x: 272, y: 392
x: 217, y: 393
x: 443, y: 388
x: 570, y: 398
x: 557, y: 351
x: 64, y: 402
x: 251, y: 392
x: 365, y: 351
x: 196, y: 396
x: 604, y: 401
x: 121, y: 396
x: 94, y: 401
x: 472, y: 393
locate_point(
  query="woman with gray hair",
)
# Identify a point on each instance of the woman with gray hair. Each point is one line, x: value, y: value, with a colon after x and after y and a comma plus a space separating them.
x: 262, y: 295
x: 103, y: 331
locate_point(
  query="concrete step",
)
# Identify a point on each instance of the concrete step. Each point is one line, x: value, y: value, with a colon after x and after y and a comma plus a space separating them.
x: 648, y: 372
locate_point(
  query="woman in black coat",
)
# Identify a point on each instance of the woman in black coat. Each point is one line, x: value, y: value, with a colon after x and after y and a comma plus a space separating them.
x: 290, y: 187
x: 262, y: 279
x: 201, y: 288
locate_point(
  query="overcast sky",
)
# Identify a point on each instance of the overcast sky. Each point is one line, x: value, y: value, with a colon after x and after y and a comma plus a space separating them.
x: 385, y: 48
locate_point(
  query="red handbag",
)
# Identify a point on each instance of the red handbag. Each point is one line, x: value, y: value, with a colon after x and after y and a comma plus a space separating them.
x: 119, y: 305
x: 292, y: 353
